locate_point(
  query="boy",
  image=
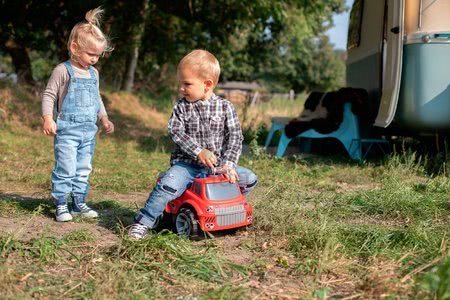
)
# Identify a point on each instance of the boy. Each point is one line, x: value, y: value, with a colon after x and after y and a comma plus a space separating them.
x: 206, y: 132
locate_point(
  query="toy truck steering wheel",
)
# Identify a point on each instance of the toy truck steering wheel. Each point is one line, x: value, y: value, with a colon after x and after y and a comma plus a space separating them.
x: 219, y: 171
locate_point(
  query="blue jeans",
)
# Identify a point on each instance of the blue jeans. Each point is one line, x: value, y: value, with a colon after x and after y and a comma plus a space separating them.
x: 74, y: 146
x: 175, y: 181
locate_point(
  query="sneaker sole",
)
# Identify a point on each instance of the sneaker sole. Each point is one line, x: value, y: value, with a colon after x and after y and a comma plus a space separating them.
x: 90, y: 214
x: 63, y: 218
x: 136, y: 238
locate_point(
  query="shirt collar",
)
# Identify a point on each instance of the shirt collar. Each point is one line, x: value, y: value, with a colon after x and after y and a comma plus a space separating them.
x: 206, y: 102
x: 203, y: 102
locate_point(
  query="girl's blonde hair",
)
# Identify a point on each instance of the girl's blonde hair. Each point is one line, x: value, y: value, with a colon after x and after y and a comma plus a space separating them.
x: 203, y: 63
x: 88, y: 33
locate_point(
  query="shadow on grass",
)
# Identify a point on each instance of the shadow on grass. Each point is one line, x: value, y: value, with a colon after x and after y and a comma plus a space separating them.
x: 156, y: 144
x: 131, y: 129
x: 112, y: 215
x: 13, y: 204
x: 330, y: 151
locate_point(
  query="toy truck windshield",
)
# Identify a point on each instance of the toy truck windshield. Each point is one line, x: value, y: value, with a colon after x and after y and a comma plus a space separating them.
x: 222, y: 191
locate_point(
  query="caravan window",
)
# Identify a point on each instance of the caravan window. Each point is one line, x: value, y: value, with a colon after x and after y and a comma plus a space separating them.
x: 354, y: 28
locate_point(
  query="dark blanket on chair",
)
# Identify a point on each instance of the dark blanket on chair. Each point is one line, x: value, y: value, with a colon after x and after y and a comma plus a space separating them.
x: 323, y: 111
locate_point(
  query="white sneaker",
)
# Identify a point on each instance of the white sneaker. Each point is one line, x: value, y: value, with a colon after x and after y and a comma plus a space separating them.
x: 138, y: 231
x: 62, y: 213
x: 81, y: 209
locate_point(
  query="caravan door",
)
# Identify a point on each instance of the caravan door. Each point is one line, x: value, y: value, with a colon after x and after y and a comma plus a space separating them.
x: 392, y: 62
x: 365, y: 52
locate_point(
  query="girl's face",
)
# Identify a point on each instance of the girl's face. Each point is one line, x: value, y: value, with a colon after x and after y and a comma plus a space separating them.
x: 85, y: 57
x: 191, y: 86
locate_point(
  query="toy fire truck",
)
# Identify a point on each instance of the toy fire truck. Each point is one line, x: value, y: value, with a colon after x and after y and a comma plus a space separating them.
x: 211, y: 203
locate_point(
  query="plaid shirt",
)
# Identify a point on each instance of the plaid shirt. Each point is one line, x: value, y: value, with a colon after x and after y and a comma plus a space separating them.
x: 212, y: 125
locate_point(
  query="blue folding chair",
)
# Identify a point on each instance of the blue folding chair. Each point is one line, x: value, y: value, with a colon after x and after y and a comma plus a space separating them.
x: 278, y: 123
x: 347, y: 134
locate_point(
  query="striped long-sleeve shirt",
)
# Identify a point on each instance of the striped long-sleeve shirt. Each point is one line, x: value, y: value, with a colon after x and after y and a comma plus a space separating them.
x: 211, y: 124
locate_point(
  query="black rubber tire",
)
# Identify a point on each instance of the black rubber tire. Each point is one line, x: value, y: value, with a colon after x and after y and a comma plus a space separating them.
x: 163, y: 222
x: 186, y: 223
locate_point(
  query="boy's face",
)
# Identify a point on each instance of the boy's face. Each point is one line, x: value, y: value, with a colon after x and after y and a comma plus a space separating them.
x: 191, y: 86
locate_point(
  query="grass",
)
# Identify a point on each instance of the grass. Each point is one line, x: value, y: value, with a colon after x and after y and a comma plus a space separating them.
x: 435, y: 282
x: 252, y: 116
x: 145, y: 268
x: 324, y: 227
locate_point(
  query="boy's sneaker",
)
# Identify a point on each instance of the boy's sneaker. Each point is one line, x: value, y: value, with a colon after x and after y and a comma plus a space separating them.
x: 62, y: 213
x: 138, y: 231
x: 81, y: 209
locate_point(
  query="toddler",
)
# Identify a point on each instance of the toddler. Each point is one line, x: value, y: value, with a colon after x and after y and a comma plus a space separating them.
x: 73, y: 89
x: 206, y: 132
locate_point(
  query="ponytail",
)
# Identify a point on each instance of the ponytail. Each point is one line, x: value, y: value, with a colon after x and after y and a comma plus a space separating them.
x: 86, y: 34
x: 94, y: 16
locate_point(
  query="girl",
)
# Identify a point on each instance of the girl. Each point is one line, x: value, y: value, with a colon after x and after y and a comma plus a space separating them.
x: 73, y: 89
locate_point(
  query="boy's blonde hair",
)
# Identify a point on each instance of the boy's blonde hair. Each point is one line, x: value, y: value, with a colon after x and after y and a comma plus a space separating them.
x: 203, y: 63
x: 86, y: 34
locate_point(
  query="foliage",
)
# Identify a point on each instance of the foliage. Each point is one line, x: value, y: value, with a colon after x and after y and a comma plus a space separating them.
x: 280, y: 43
x: 436, y: 281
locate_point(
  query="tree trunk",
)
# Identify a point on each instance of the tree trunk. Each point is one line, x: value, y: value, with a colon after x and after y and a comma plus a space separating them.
x: 137, y: 30
x: 128, y: 79
x: 21, y: 62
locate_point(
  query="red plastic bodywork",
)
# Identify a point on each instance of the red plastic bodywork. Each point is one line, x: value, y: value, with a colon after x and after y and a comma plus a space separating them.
x: 206, y: 209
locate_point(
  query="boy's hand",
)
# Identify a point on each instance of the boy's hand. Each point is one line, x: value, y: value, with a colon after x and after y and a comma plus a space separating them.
x: 49, y: 126
x: 207, y: 158
x: 232, y: 176
x: 107, y: 125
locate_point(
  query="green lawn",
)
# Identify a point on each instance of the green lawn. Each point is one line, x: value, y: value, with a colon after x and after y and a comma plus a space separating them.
x: 323, y: 227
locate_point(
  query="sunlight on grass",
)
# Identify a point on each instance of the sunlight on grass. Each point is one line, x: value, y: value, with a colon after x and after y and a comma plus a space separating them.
x: 126, y: 268
x: 253, y: 116
x: 154, y: 252
x: 325, y: 225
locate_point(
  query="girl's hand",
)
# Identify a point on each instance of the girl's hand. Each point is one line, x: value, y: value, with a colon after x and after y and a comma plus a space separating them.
x: 107, y: 125
x: 232, y: 176
x: 49, y: 126
x: 207, y: 158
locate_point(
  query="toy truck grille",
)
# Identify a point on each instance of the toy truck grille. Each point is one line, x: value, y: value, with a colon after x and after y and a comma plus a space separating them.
x: 230, y: 215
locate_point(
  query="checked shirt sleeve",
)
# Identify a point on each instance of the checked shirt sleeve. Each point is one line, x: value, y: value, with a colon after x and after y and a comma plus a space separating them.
x: 178, y: 134
x: 232, y: 147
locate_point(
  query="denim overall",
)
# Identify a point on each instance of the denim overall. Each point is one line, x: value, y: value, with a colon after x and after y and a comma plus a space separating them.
x: 74, y: 141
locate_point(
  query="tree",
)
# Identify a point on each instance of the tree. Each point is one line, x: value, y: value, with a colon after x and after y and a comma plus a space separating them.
x: 250, y: 38
x: 279, y: 42
x: 37, y: 25
x: 135, y: 39
x: 14, y: 35
x: 300, y: 56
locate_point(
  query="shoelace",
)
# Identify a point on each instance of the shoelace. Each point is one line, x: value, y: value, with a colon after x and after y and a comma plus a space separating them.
x: 62, y: 209
x: 139, y: 229
x: 83, y: 206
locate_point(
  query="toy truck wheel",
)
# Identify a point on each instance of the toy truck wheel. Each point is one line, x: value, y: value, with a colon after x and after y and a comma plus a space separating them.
x: 186, y: 223
x: 162, y: 222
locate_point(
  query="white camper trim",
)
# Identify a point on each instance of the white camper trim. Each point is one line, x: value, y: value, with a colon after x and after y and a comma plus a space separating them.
x: 393, y: 65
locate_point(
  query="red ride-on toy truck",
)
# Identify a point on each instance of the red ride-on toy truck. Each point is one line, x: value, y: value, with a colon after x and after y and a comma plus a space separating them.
x: 211, y: 203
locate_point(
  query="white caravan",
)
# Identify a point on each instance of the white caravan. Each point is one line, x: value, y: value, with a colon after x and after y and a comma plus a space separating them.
x: 399, y: 51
